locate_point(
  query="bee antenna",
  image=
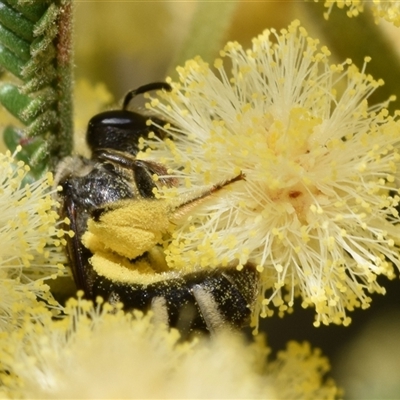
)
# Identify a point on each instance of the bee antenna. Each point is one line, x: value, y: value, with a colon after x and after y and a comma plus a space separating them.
x: 144, y: 89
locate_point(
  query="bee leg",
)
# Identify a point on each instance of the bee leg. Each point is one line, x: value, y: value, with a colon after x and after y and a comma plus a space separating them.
x: 209, y: 309
x: 160, y: 310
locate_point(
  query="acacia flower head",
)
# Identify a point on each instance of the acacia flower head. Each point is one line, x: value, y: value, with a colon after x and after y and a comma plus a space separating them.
x: 388, y: 10
x: 315, y: 211
x: 30, y: 240
x: 99, y: 352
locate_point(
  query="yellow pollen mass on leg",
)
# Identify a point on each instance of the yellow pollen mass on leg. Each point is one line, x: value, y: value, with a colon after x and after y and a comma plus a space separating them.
x: 130, y: 229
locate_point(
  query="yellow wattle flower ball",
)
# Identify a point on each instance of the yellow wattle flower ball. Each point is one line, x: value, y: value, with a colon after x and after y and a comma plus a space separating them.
x: 315, y: 212
x: 31, y: 243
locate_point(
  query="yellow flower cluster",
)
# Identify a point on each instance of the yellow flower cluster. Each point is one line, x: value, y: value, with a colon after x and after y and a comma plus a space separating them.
x: 315, y: 212
x: 31, y: 242
x: 388, y: 10
x: 98, y: 352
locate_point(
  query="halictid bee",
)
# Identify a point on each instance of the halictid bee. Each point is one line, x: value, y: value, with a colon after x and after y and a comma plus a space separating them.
x: 116, y: 252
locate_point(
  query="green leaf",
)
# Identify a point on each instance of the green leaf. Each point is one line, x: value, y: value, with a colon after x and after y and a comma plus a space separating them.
x: 11, y: 62
x: 14, y: 101
x: 31, y: 10
x: 35, y: 46
x: 16, y: 22
x: 16, y: 45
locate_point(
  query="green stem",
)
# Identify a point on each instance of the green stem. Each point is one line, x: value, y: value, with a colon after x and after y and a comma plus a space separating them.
x: 64, y: 135
x: 210, y: 23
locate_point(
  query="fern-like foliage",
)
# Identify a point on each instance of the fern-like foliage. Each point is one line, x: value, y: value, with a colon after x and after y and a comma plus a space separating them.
x: 35, y: 47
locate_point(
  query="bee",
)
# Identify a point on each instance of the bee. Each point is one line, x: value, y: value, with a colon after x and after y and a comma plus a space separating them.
x: 116, y: 251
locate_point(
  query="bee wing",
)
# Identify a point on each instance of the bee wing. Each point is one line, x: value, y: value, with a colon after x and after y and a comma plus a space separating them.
x: 162, y: 172
x: 79, y: 256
